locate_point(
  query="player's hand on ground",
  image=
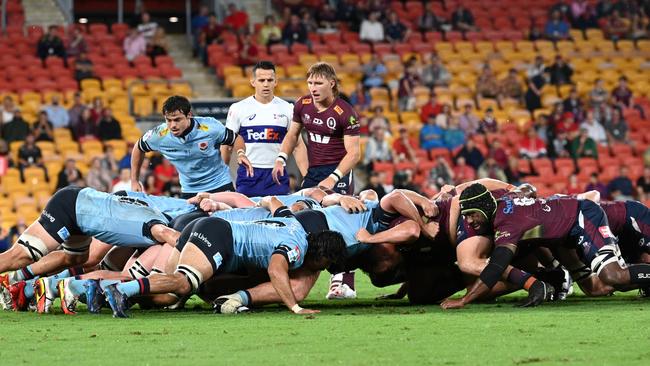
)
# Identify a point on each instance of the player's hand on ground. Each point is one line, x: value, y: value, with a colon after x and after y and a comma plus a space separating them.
x: 363, y: 235
x: 136, y: 186
x: 327, y: 184
x: 278, y: 171
x: 307, y: 312
x: 430, y: 229
x: 452, y: 304
x: 352, y: 205
x: 243, y: 160
x: 538, y: 292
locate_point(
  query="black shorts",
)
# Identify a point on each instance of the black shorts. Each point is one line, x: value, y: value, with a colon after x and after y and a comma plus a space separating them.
x: 59, y: 217
x: 224, y: 188
x: 213, y: 236
x: 316, y: 174
x: 180, y: 222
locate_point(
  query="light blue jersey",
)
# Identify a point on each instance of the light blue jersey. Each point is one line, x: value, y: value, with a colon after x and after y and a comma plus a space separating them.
x: 116, y: 220
x: 347, y: 224
x: 290, y: 199
x: 243, y: 214
x: 255, y: 242
x: 171, y: 206
x: 196, y: 156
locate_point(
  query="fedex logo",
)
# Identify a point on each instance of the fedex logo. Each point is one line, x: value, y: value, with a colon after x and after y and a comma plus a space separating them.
x: 266, y: 134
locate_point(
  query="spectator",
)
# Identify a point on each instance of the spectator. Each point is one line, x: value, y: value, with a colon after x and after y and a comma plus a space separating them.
x: 574, y: 186
x: 57, y: 114
x: 248, y: 53
x: 15, y: 130
x: 163, y: 173
x: 595, y: 130
x: 83, y: 68
x: 327, y: 20
x: 535, y: 32
x: 200, y: 20
x: 347, y: 11
x: 486, y: 84
x: 236, y: 20
x: 489, y: 122
x: 560, y: 72
x: 463, y: 172
x: 395, y: 30
x: 97, y: 109
x: 567, y: 126
x: 42, y: 129
x: 134, y: 44
x: 373, y: 73
x: 51, y: 44
x: 617, y: 130
x: 431, y: 135
x: 531, y: 146
x: 98, y: 178
x: 360, y: 97
x: 109, y: 163
x: 295, y: 32
x: 429, y: 22
x: 643, y: 185
x: 8, y: 109
x: 598, y: 94
x: 490, y: 169
x: 443, y: 118
x: 639, y: 25
x: 513, y: 174
x: 210, y: 34
x: 604, y: 8
x: 623, y: 97
x: 574, y: 105
x: 463, y: 20
x: 147, y: 27
x: 125, y: 162
x: 434, y: 72
x: 454, y: 137
x: 595, y: 185
x: 403, y: 179
x: 543, y: 130
x: 109, y: 128
x: 372, y: 30
x: 270, y: 33
x: 583, y: 15
x: 124, y: 181
x: 308, y: 21
x: 499, y: 154
x: 77, y: 43
x: 510, y: 86
x: 560, y: 146
x: 556, y: 29
x: 158, y: 45
x: 441, y: 174
x: 407, y: 84
x: 468, y: 121
x: 75, y: 111
x: 616, y: 27
x: 150, y: 186
x: 87, y: 127
x: 69, y: 174
x: 375, y: 182
x: 562, y: 8
x: 473, y: 156
x: 377, y: 148
x: 173, y: 187
x: 583, y: 146
x: 621, y: 188
x: 29, y: 155
x: 378, y: 120
x: 405, y: 147
x: 432, y: 108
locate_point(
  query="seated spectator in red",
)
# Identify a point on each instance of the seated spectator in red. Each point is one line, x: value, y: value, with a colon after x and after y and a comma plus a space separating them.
x: 77, y: 43
x: 643, y: 185
x: 395, y: 30
x: 295, y: 32
x: 463, y: 20
x: 498, y: 153
x: 405, y: 147
x: 560, y: 72
x: 164, y: 173
x: 595, y: 185
x: 473, y: 156
x: 51, y: 44
x: 109, y: 128
x: 616, y: 26
x: 30, y: 155
x: 567, y: 126
x: 623, y: 97
x: 97, y: 109
x: 489, y: 122
x: 236, y: 20
x: 556, y: 29
x: 83, y: 68
x: 463, y: 172
x: 87, y: 127
x: 16, y: 129
x: 248, y: 53
x: 432, y: 108
x: 210, y: 34
x: 134, y: 44
x: 574, y: 186
x: 531, y: 146
x: 42, y: 129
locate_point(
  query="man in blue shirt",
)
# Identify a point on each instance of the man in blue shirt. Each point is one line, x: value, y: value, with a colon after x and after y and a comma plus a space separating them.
x: 192, y: 144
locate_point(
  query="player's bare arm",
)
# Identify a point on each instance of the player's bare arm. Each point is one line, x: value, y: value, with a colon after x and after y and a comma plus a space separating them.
x: 346, y: 165
x: 279, y: 274
x: 288, y: 146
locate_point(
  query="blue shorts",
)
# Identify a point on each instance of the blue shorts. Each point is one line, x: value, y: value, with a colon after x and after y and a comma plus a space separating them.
x: 317, y: 173
x: 635, y: 238
x: 591, y: 231
x: 261, y: 183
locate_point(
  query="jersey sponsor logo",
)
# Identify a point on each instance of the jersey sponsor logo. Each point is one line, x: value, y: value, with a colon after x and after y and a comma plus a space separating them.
x: 318, y: 121
x: 132, y: 201
x: 331, y: 123
x: 267, y: 134
x: 203, y: 127
x: 341, y: 185
x: 252, y: 117
x: 48, y: 216
x: 318, y: 138
x: 306, y: 117
x: 605, y: 232
x: 501, y: 235
x: 306, y: 101
x: 509, y: 206
x: 338, y: 110
x: 63, y: 233
x: 294, y: 254
x: 201, y: 238
x: 163, y: 132
x: 203, y: 145
x: 218, y: 259
x: 271, y: 223
x: 146, y: 136
x: 353, y: 121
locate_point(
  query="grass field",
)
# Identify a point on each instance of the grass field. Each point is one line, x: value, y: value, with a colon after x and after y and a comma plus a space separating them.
x: 579, y: 331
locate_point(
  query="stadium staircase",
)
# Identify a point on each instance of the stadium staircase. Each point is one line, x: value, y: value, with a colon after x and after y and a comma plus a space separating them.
x: 203, y: 81
x: 42, y: 12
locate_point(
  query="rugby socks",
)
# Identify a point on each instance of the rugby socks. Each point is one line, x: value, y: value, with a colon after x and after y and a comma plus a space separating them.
x: 22, y: 274
x: 520, y: 278
x: 245, y: 297
x: 639, y: 274
x: 29, y: 288
x: 105, y: 283
x: 135, y: 287
x: 348, y: 279
x: 78, y: 286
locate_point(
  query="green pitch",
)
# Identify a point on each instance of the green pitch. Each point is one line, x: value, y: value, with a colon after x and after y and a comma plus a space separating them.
x: 579, y: 331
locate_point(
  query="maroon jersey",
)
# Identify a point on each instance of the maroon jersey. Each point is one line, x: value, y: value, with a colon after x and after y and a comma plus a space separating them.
x: 523, y: 221
x: 616, y: 215
x: 326, y: 129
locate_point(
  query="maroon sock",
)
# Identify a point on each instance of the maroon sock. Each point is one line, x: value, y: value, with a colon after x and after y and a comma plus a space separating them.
x: 348, y: 279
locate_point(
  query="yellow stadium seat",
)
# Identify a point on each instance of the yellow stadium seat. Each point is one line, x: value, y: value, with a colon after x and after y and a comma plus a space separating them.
x: 62, y: 134
x: 142, y: 105
x: 576, y: 34
x: 594, y: 34
x: 606, y: 46
x: 445, y: 47
x: 183, y: 89
x: 349, y: 58
x: 39, y: 188
x: 296, y: 71
x: 91, y: 94
x: 525, y: 46
x: 34, y: 175
x: 46, y: 147
x: 464, y: 47
x: 16, y: 190
x: 330, y: 58
x: 91, y: 145
x: 242, y: 91
x: 67, y: 146
x: 90, y: 84
x: 307, y: 59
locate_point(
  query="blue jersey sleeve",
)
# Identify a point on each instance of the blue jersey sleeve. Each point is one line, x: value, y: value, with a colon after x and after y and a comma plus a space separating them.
x: 220, y: 133
x: 294, y: 254
x: 150, y: 141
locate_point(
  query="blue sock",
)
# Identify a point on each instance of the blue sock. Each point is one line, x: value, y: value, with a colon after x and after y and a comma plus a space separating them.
x: 105, y: 283
x: 29, y: 288
x: 78, y: 287
x: 136, y: 287
x: 245, y: 297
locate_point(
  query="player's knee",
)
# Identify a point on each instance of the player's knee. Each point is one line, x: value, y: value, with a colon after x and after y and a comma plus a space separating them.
x: 189, y: 281
x: 613, y: 274
x: 70, y: 260
x: 32, y: 247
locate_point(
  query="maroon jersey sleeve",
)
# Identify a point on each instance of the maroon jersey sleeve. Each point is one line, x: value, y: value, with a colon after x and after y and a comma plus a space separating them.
x: 347, y: 116
x: 298, y: 106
